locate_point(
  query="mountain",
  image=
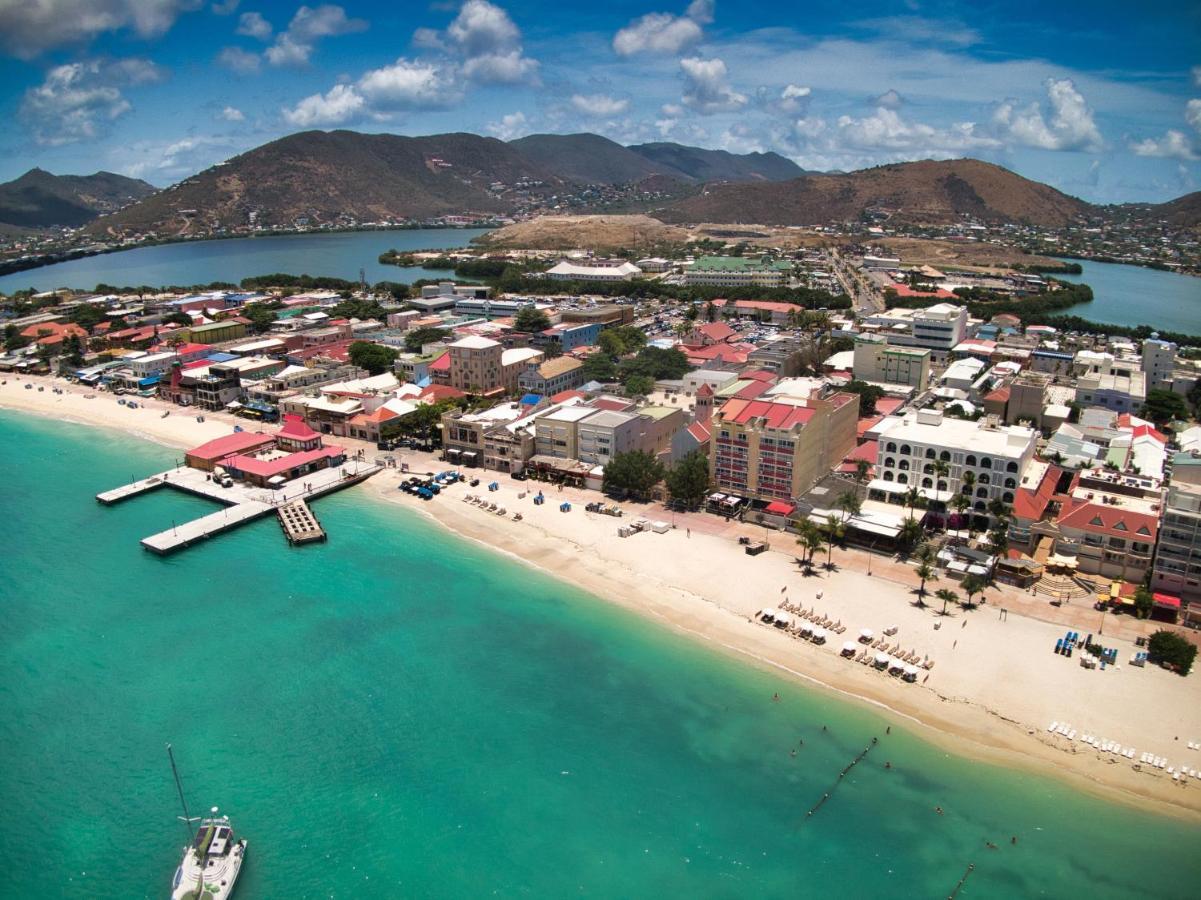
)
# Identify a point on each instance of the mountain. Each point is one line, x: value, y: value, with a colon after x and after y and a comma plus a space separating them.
x: 926, y: 192
x: 1184, y: 212
x: 39, y: 199
x: 325, y: 176
x: 719, y: 165
x: 590, y: 159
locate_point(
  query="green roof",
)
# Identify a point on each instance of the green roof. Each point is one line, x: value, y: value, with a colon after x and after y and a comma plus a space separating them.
x: 738, y: 264
x: 656, y: 412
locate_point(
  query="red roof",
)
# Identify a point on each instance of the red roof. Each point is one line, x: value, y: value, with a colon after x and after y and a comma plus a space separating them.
x: 700, y: 432
x: 776, y: 415
x: 759, y: 375
x: 436, y: 392
x: 269, y: 468
x: 704, y: 390
x: 1032, y: 503
x: 717, y: 331
x: 612, y: 403
x: 564, y: 396
x: 441, y: 364
x: 733, y: 353
x: 1000, y: 395
x: 238, y: 442
x: 769, y: 305
x: 1101, y: 518
x: 904, y: 290
x: 752, y: 390
x: 1169, y: 600
x: 868, y: 450
x: 866, y: 424
x: 780, y: 508
x: 297, y: 429
x: 886, y: 406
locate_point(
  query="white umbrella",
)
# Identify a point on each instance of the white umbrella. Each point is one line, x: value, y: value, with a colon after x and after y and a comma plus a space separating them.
x: 850, y: 647
x: 881, y: 659
x: 867, y: 634
x: 819, y: 633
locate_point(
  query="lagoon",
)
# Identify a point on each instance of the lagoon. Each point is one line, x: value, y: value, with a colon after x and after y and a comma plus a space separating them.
x: 399, y: 712
x: 339, y: 255
x: 1136, y: 295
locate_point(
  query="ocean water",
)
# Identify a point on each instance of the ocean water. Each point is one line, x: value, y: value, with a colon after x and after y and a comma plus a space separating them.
x: 338, y: 255
x: 1136, y: 295
x: 401, y: 713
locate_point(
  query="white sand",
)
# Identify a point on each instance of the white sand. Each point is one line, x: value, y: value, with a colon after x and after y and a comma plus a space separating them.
x: 996, y: 684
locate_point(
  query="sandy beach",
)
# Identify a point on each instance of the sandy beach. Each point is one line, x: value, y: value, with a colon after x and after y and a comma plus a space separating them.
x: 996, y: 684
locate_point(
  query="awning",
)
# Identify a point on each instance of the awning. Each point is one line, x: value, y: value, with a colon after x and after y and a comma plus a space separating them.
x: 888, y: 487
x: 780, y: 508
x: 936, y: 496
x: 1168, y: 601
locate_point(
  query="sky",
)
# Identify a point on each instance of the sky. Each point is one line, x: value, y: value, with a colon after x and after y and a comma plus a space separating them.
x: 1099, y: 99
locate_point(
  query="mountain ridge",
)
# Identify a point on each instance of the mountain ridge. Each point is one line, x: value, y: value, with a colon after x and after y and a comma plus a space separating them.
x: 39, y: 199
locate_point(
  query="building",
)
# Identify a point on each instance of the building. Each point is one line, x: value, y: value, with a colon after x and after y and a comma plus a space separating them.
x: 915, y: 449
x: 215, y: 333
x: 484, y: 308
x: 1051, y: 362
x: 606, y: 314
x: 1158, y: 362
x: 568, y: 336
x: 1176, y: 570
x: 1117, y: 391
x: 880, y: 363
x: 210, y: 454
x: 605, y: 433
x: 563, y: 373
x: 594, y: 270
x: 737, y: 271
x: 939, y: 328
x: 556, y: 432
x: 778, y: 449
x: 1027, y: 399
x: 480, y: 365
x: 1109, y: 523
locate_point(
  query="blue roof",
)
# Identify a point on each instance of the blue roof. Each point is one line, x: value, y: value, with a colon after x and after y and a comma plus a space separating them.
x: 220, y: 357
x: 531, y: 399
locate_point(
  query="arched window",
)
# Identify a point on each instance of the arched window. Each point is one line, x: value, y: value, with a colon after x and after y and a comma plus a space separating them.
x: 926, y: 482
x: 981, y: 492
x: 983, y: 479
x: 928, y: 469
x: 906, y: 449
x: 891, y: 448
x: 942, y: 485
x: 1007, y: 497
x: 945, y: 456
x: 930, y: 453
x: 985, y: 463
x: 1009, y: 483
x: 1012, y: 467
x: 966, y: 489
x: 904, y: 465
x: 979, y: 505
x: 970, y: 460
x: 902, y: 478
x: 888, y: 476
x: 889, y: 461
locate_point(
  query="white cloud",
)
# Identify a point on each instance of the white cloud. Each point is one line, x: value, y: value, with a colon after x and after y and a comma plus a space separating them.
x: 1192, y: 114
x: 511, y: 126
x: 885, y: 129
x: 29, y: 27
x: 294, y: 46
x: 76, y: 101
x: 665, y: 33
x: 252, y: 24
x: 225, y: 7
x: 706, y: 86
x: 408, y: 84
x: 1173, y: 145
x: 233, y: 114
x: 920, y: 30
x: 599, y: 105
x: 339, y: 105
x: 164, y: 161
x: 1070, y: 127
x: 890, y: 99
x: 428, y: 39
x: 489, y: 41
x: 239, y: 60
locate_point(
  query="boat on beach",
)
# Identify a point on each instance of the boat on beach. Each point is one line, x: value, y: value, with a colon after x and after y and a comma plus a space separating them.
x: 212, y: 858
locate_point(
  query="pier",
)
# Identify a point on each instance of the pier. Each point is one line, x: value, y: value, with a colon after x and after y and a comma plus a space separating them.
x: 243, y: 502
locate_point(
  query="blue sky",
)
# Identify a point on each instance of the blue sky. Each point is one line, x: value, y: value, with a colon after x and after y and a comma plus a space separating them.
x: 1100, y: 99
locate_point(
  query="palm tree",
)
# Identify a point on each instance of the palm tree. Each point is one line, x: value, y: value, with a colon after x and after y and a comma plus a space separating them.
x: 862, y: 468
x: 941, y: 469
x: 913, y: 498
x: 834, y: 531
x: 998, y: 509
x: 972, y: 585
x: 946, y: 596
x: 911, y: 531
x: 960, y: 502
x: 998, y: 540
x: 808, y: 536
x: 925, y: 572
x: 849, y: 503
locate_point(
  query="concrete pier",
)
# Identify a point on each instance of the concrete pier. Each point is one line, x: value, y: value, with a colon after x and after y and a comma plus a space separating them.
x: 299, y: 524
x: 180, y: 536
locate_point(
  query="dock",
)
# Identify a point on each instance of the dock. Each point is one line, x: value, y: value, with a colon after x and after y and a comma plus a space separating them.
x: 243, y: 502
x: 299, y: 524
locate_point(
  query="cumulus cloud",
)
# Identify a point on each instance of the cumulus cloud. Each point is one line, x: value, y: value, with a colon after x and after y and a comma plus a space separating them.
x: 233, y: 114
x: 1192, y: 114
x: 225, y: 7
x: 339, y: 105
x: 706, y: 86
x: 511, y: 126
x: 252, y: 24
x: 664, y: 32
x: 162, y: 161
x: 599, y: 105
x: 885, y: 129
x: 238, y: 60
x: 29, y: 27
x: 1173, y: 145
x: 1069, y: 127
x: 890, y: 99
x: 294, y: 46
x: 404, y: 85
x: 77, y: 101
x: 488, y: 40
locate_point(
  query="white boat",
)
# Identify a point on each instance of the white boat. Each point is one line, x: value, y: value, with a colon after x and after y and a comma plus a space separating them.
x: 212, y: 858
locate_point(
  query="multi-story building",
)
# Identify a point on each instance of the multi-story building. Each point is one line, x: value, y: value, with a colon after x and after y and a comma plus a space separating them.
x: 878, y: 362
x: 594, y: 270
x: 1176, y: 570
x: 912, y: 448
x: 1117, y: 391
x: 778, y: 449
x: 556, y: 432
x: 1158, y: 362
x: 479, y: 365
x: 1109, y: 524
x: 738, y: 271
x: 568, y: 336
x: 1027, y: 399
x: 605, y: 433
x: 940, y: 327
x: 552, y: 376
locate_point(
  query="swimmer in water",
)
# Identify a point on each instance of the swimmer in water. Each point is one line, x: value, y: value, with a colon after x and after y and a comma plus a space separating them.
x: 938, y: 809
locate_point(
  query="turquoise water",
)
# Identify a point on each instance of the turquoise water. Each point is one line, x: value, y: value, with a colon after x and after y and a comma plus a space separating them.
x: 1134, y: 295
x: 399, y: 713
x: 338, y: 255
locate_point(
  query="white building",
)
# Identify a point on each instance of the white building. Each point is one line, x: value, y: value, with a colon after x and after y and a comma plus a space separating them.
x: 877, y: 362
x: 594, y: 270
x: 1158, y: 362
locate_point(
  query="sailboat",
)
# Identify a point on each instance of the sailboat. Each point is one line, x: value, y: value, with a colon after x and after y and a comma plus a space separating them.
x: 213, y: 856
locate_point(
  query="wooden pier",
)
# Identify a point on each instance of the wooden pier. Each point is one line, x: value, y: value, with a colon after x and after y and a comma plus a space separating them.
x: 299, y: 524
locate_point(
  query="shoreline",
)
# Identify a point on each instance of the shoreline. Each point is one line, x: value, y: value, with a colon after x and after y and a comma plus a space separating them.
x: 710, y: 594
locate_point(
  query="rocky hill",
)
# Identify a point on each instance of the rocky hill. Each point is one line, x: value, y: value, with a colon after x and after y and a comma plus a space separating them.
x: 39, y: 199
x: 589, y: 159
x: 698, y: 164
x: 926, y: 192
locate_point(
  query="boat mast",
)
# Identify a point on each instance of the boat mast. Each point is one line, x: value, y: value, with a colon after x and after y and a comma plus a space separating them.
x: 187, y: 819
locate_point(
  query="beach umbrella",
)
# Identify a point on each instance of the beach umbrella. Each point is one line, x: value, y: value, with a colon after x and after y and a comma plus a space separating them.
x: 867, y: 634
x: 850, y: 647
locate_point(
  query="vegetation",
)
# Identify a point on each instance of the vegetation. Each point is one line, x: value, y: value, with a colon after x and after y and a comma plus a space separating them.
x: 1137, y: 332
x: 530, y: 319
x: 358, y: 309
x: 599, y: 367
x: 622, y: 340
x: 634, y: 474
x: 302, y: 282
x: 375, y: 358
x: 1172, y: 651
x: 639, y: 385
x: 655, y: 363
x: 946, y: 595
x: 810, y: 537
x: 688, y: 479
x: 260, y: 316
x: 868, y: 395
x: 1164, y: 406
x: 834, y: 530
x: 419, y: 337
x: 1143, y: 602
x: 973, y: 585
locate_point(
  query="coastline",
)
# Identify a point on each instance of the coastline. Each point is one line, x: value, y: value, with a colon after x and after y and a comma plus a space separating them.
x: 708, y: 592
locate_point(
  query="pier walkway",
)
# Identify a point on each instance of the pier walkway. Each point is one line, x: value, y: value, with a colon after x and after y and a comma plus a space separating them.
x: 180, y: 536
x: 299, y: 524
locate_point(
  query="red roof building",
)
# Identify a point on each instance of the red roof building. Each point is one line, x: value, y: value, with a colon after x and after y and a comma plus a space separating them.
x: 50, y: 334
x: 295, y: 465
x: 296, y: 435
x: 209, y: 454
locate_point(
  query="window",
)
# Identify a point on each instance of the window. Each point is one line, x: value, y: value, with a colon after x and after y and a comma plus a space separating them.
x: 929, y: 453
x: 889, y: 461
x: 970, y: 460
x: 984, y: 479
x: 888, y: 476
x: 926, y: 482
x: 942, y: 485
x: 1007, y: 497
x: 904, y: 465
x: 902, y: 478
x: 906, y: 449
x: 985, y: 463
x: 928, y: 469
x: 1009, y: 483
x: 891, y: 448
x: 945, y: 456
x: 1011, y: 467
x: 981, y: 492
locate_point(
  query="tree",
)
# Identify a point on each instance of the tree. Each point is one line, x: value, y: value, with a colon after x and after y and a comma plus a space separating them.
x: 809, y: 536
x: 688, y: 479
x: 375, y: 358
x: 972, y: 585
x: 1143, y: 602
x: 72, y: 352
x: 177, y: 318
x: 911, y: 531
x: 1163, y: 406
x: 998, y: 540
x: 834, y: 530
x: 914, y: 499
x: 358, y: 309
x: 260, y: 317
x: 849, y: 503
x: 655, y: 363
x: 868, y: 395
x: 691, y: 313
x: 634, y: 473
x: 710, y: 311
x: 1170, y: 650
x: 946, y: 596
x: 941, y: 469
x: 419, y: 337
x: 960, y: 503
x: 925, y: 572
x: 639, y: 385
x: 862, y: 469
x: 599, y: 367
x: 530, y: 319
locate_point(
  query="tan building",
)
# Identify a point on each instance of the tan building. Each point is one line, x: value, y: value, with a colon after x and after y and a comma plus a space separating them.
x: 1027, y: 399
x: 881, y: 363
x: 778, y: 449
x: 552, y: 376
x: 479, y: 365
